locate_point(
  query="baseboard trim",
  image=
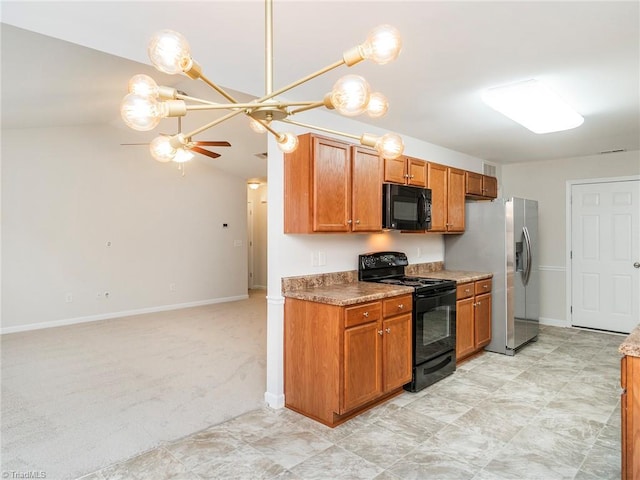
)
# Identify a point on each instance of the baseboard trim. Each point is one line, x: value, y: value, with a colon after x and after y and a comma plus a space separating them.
x: 124, y: 313
x: 554, y: 322
x: 273, y: 400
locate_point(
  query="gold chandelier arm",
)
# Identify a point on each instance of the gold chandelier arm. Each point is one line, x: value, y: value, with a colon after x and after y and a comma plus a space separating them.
x: 217, y: 88
x: 321, y: 129
x: 307, y: 107
x: 195, y: 99
x: 249, y: 105
x: 326, y: 69
x: 213, y: 124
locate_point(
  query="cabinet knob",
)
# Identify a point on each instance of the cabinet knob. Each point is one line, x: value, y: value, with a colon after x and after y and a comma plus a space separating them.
x: 365, y: 314
x: 478, y: 304
x: 349, y: 221
x: 380, y: 332
x: 357, y: 222
x: 400, y: 306
x: 466, y: 290
x: 388, y: 329
x: 411, y: 176
x: 486, y: 286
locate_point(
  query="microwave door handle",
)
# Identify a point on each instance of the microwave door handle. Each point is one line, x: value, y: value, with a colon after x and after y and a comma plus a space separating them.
x: 422, y: 209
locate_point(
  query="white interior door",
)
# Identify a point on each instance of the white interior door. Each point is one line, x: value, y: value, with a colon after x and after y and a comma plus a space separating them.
x: 605, y: 259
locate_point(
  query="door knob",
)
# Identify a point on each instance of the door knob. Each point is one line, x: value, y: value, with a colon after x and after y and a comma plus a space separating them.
x: 637, y: 264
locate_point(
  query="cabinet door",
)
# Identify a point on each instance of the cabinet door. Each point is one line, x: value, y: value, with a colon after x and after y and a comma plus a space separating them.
x: 331, y: 185
x: 417, y: 171
x: 362, y: 362
x: 437, y: 182
x: 395, y: 170
x: 473, y: 184
x: 482, y: 320
x: 489, y: 186
x: 397, y: 350
x: 366, y: 192
x: 455, y: 200
x: 465, y: 335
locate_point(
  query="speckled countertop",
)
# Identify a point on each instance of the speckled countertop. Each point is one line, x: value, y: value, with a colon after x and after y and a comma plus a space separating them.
x: 459, y: 276
x: 348, y: 293
x: 343, y: 288
x: 631, y: 344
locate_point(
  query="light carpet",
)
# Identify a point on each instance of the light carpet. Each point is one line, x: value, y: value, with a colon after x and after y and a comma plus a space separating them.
x: 80, y: 397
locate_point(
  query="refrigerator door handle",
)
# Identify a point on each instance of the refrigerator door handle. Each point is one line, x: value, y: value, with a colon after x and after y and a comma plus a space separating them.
x: 527, y: 239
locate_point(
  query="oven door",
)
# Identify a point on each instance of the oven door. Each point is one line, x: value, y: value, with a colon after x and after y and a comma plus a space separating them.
x: 435, y: 324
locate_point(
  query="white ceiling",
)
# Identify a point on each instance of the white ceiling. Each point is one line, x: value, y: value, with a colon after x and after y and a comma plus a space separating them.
x: 588, y: 51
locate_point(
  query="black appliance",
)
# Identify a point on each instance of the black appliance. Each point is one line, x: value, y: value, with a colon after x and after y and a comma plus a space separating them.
x: 434, y: 315
x: 405, y: 207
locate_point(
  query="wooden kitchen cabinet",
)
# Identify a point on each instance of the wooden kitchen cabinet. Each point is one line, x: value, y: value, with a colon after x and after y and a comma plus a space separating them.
x: 340, y: 361
x: 331, y: 186
x: 405, y: 171
x: 473, y: 317
x: 480, y: 186
x: 447, y: 186
x: 630, y: 412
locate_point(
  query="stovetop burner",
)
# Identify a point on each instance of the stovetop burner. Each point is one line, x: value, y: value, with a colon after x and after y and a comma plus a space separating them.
x: 388, y: 267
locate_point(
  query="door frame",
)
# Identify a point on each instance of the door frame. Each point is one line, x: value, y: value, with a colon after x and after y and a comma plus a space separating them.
x: 569, y: 234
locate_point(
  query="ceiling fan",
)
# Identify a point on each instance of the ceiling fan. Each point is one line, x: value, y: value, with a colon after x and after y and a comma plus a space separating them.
x: 195, y: 146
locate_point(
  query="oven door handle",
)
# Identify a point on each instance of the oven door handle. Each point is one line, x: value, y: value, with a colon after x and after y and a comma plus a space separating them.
x: 436, y: 293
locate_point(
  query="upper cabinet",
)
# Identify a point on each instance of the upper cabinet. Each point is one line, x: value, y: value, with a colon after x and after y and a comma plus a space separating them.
x: 406, y: 171
x: 447, y: 186
x: 331, y: 186
x: 480, y: 186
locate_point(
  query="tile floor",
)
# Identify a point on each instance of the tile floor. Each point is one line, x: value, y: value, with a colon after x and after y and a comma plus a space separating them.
x: 550, y: 412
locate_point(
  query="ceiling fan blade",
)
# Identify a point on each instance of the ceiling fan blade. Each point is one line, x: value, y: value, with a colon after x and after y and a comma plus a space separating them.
x: 205, y: 152
x: 213, y: 144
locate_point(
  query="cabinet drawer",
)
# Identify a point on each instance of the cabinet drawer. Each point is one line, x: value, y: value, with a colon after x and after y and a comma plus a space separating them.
x: 397, y: 305
x: 363, y: 313
x: 483, y: 286
x: 464, y: 290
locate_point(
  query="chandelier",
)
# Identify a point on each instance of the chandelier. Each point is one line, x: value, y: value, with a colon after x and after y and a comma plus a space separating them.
x: 147, y: 103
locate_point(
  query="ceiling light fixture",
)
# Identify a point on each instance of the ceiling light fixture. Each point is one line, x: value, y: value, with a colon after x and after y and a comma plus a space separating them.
x: 147, y: 103
x: 533, y: 105
x: 254, y: 185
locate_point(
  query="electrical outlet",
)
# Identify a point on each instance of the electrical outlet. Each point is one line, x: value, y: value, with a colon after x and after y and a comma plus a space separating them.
x: 172, y: 287
x: 322, y: 258
x: 107, y: 295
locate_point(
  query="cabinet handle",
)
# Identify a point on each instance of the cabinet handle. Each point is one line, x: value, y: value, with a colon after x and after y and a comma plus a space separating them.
x: 380, y: 332
x: 400, y: 306
x: 357, y: 222
x: 388, y: 330
x: 349, y: 221
x: 365, y: 314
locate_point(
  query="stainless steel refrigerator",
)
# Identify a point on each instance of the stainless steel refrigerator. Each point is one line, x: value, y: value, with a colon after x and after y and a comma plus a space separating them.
x: 501, y: 237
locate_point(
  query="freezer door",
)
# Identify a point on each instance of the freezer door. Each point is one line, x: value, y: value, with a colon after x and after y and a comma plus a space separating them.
x: 518, y: 322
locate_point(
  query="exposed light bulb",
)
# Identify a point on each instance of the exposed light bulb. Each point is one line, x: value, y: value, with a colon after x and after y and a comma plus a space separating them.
x: 169, y: 52
x: 143, y: 85
x: 390, y: 145
x: 287, y: 142
x: 254, y: 185
x: 161, y: 149
x: 182, y: 155
x: 350, y: 95
x: 383, y: 44
x: 256, y: 126
x: 378, y: 105
x: 140, y: 113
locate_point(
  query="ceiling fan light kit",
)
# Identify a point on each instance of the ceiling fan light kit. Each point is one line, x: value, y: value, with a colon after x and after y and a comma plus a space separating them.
x: 147, y: 103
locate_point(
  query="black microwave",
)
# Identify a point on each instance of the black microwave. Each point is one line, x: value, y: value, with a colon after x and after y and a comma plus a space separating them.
x: 405, y: 207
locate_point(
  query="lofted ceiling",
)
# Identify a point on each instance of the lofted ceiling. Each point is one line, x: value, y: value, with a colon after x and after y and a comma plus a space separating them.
x: 68, y: 63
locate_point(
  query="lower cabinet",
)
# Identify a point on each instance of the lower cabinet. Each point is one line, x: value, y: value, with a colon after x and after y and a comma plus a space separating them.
x: 630, y: 411
x: 473, y: 317
x: 339, y: 361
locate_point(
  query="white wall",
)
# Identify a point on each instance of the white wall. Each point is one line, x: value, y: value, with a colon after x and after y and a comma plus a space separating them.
x: 66, y: 192
x: 546, y: 182
x: 291, y: 255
